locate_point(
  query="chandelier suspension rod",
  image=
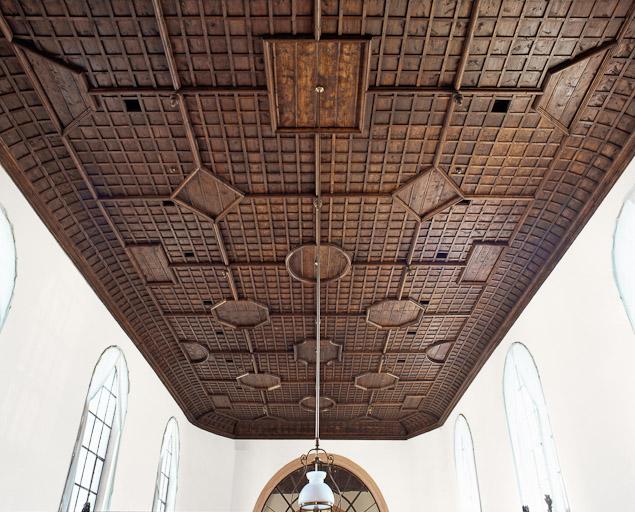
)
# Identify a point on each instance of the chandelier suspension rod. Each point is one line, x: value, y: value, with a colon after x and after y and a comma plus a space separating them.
x: 318, y: 206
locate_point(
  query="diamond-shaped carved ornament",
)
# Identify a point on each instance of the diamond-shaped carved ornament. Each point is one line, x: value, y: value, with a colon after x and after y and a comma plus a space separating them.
x: 427, y: 194
x: 206, y: 194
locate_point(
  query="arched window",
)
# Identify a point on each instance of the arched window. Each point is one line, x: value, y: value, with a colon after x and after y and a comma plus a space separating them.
x: 354, y: 489
x: 7, y: 265
x: 167, y: 474
x: 624, y: 255
x: 92, y: 469
x: 465, y: 463
x: 537, y: 468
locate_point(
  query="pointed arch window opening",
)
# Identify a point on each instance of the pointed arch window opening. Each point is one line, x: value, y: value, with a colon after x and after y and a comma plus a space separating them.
x: 465, y: 465
x: 623, y: 255
x: 538, y: 471
x: 93, y: 463
x: 8, y: 265
x: 167, y: 473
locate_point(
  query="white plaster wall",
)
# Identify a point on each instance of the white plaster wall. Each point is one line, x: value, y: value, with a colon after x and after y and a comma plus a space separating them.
x: 52, y: 338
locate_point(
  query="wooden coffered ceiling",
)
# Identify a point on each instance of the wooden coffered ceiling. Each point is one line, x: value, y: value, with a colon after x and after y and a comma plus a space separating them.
x: 175, y: 150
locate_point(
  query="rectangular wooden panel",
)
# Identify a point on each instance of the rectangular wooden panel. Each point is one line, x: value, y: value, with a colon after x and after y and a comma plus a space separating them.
x: 296, y: 67
x: 152, y: 262
x: 481, y: 261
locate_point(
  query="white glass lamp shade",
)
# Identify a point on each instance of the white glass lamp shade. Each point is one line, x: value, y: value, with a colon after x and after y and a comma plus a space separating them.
x: 316, y: 495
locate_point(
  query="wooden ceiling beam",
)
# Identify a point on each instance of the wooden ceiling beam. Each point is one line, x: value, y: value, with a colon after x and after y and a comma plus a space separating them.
x: 262, y: 90
x: 281, y: 264
x: 169, y: 91
x: 309, y: 383
x: 264, y: 353
x: 247, y: 403
x: 306, y: 314
x: 309, y: 196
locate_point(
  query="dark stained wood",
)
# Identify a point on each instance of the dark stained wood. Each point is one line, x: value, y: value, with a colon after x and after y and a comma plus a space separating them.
x: 65, y: 86
x: 153, y: 262
x: 481, y: 261
x: 376, y: 381
x: 297, y: 67
x: 334, y: 263
x: 438, y: 352
x: 221, y: 401
x: 196, y: 352
x: 412, y: 402
x: 308, y: 403
x: 259, y: 381
x: 566, y: 86
x: 306, y: 351
x: 394, y: 314
x: 430, y: 193
x: 240, y: 314
x: 204, y: 193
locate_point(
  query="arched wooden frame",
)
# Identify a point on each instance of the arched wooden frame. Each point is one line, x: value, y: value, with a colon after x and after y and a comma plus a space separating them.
x: 338, y: 460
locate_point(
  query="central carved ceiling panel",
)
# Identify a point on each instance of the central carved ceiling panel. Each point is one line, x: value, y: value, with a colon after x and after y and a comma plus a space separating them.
x: 175, y: 149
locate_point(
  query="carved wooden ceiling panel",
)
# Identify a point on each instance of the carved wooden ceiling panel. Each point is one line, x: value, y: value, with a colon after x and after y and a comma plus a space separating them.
x: 175, y: 149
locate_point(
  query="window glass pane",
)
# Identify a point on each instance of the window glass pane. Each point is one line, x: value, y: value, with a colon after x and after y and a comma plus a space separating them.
x: 7, y: 265
x: 99, y: 465
x: 536, y: 461
x: 73, y: 498
x: 469, y: 496
x: 624, y: 255
x: 94, y: 435
x: 92, y: 497
x: 82, y: 498
x: 95, y: 440
x: 89, y: 467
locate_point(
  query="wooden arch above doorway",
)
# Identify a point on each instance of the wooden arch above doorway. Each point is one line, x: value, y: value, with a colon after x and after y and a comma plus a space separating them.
x: 339, y: 461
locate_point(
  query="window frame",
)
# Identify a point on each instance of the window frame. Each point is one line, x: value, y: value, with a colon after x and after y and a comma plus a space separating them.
x: 111, y: 361
x: 4, y: 314
x: 629, y: 201
x: 521, y: 446
x: 462, y: 427
x: 170, y: 445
